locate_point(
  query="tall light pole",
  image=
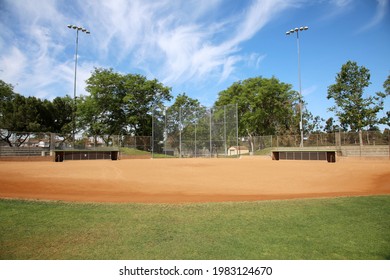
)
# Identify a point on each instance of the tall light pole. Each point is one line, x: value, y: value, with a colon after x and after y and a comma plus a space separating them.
x: 82, y: 29
x: 297, y: 30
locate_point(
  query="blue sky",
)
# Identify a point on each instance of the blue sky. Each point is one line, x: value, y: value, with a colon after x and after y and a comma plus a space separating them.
x: 195, y: 46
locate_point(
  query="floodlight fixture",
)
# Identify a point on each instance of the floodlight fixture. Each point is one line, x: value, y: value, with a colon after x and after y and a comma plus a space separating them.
x: 82, y: 29
x: 291, y: 31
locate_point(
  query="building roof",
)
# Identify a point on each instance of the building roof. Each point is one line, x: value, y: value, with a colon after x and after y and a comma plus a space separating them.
x: 240, y: 148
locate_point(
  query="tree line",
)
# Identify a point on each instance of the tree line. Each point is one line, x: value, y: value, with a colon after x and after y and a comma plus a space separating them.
x: 123, y: 104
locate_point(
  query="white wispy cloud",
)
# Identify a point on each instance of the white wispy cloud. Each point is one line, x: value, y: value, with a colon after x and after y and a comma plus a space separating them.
x: 174, y: 41
x: 257, y: 16
x: 178, y: 42
x: 309, y: 90
x: 254, y: 60
x: 341, y: 3
x: 333, y: 9
x: 382, y: 8
x: 29, y: 60
x: 194, y: 50
x: 12, y: 64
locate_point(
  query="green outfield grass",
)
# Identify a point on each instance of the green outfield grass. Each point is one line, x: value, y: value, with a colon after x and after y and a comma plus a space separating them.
x: 264, y: 152
x: 133, y: 152
x: 337, y: 228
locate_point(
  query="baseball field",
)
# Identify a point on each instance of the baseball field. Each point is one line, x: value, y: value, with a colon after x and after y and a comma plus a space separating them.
x: 249, y: 208
x: 192, y: 180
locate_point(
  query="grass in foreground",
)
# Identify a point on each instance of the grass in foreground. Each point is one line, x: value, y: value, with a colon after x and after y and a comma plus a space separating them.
x: 338, y: 228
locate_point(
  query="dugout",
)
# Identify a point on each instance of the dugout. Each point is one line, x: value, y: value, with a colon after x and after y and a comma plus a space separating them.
x: 61, y: 155
x: 329, y: 156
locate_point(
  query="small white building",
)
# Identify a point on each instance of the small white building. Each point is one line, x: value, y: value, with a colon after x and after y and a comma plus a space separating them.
x: 238, y: 150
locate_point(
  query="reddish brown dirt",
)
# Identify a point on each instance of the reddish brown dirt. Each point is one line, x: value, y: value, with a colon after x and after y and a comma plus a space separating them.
x: 192, y: 180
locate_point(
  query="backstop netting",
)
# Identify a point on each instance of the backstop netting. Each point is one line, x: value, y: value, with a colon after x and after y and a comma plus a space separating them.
x: 195, y: 132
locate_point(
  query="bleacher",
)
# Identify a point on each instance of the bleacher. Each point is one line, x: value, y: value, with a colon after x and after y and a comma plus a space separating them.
x: 23, y: 151
x: 365, y: 151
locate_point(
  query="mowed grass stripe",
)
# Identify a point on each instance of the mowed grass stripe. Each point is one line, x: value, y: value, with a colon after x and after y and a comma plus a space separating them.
x: 336, y: 228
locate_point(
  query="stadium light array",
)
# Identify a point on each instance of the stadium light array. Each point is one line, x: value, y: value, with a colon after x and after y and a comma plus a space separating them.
x: 84, y: 30
x: 291, y: 31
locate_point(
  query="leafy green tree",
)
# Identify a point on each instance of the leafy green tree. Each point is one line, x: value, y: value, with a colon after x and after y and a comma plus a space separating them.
x: 386, y: 120
x: 182, y: 123
x: 119, y: 104
x: 30, y: 114
x: 312, y: 124
x: 17, y: 114
x: 265, y: 107
x: 6, y: 107
x: 101, y: 112
x: 6, y: 111
x: 386, y: 85
x: 331, y: 126
x: 61, y: 109
x: 351, y: 108
x: 142, y: 96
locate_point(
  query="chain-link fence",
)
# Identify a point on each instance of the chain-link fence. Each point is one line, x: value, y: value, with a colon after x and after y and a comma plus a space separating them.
x: 204, y: 132
x: 336, y: 140
x: 19, y: 144
x: 96, y: 142
x: 13, y: 144
x: 374, y: 143
x: 195, y: 131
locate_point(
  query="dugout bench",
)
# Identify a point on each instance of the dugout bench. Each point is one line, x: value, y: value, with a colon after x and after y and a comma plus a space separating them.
x: 61, y: 155
x: 328, y: 155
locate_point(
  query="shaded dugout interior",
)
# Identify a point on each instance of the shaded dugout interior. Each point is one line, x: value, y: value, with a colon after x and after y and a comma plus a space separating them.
x: 85, y: 155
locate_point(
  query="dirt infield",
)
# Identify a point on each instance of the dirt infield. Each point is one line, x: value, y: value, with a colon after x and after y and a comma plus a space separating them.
x: 192, y: 180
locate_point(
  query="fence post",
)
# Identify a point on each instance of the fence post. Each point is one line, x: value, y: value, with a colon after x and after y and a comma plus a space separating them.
x: 179, y: 132
x: 52, y: 144
x: 165, y: 133
x: 28, y: 144
x: 238, y: 144
x: 152, y: 148
x: 338, y: 139
x: 195, y: 143
x: 224, y: 129
x: 211, y: 142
